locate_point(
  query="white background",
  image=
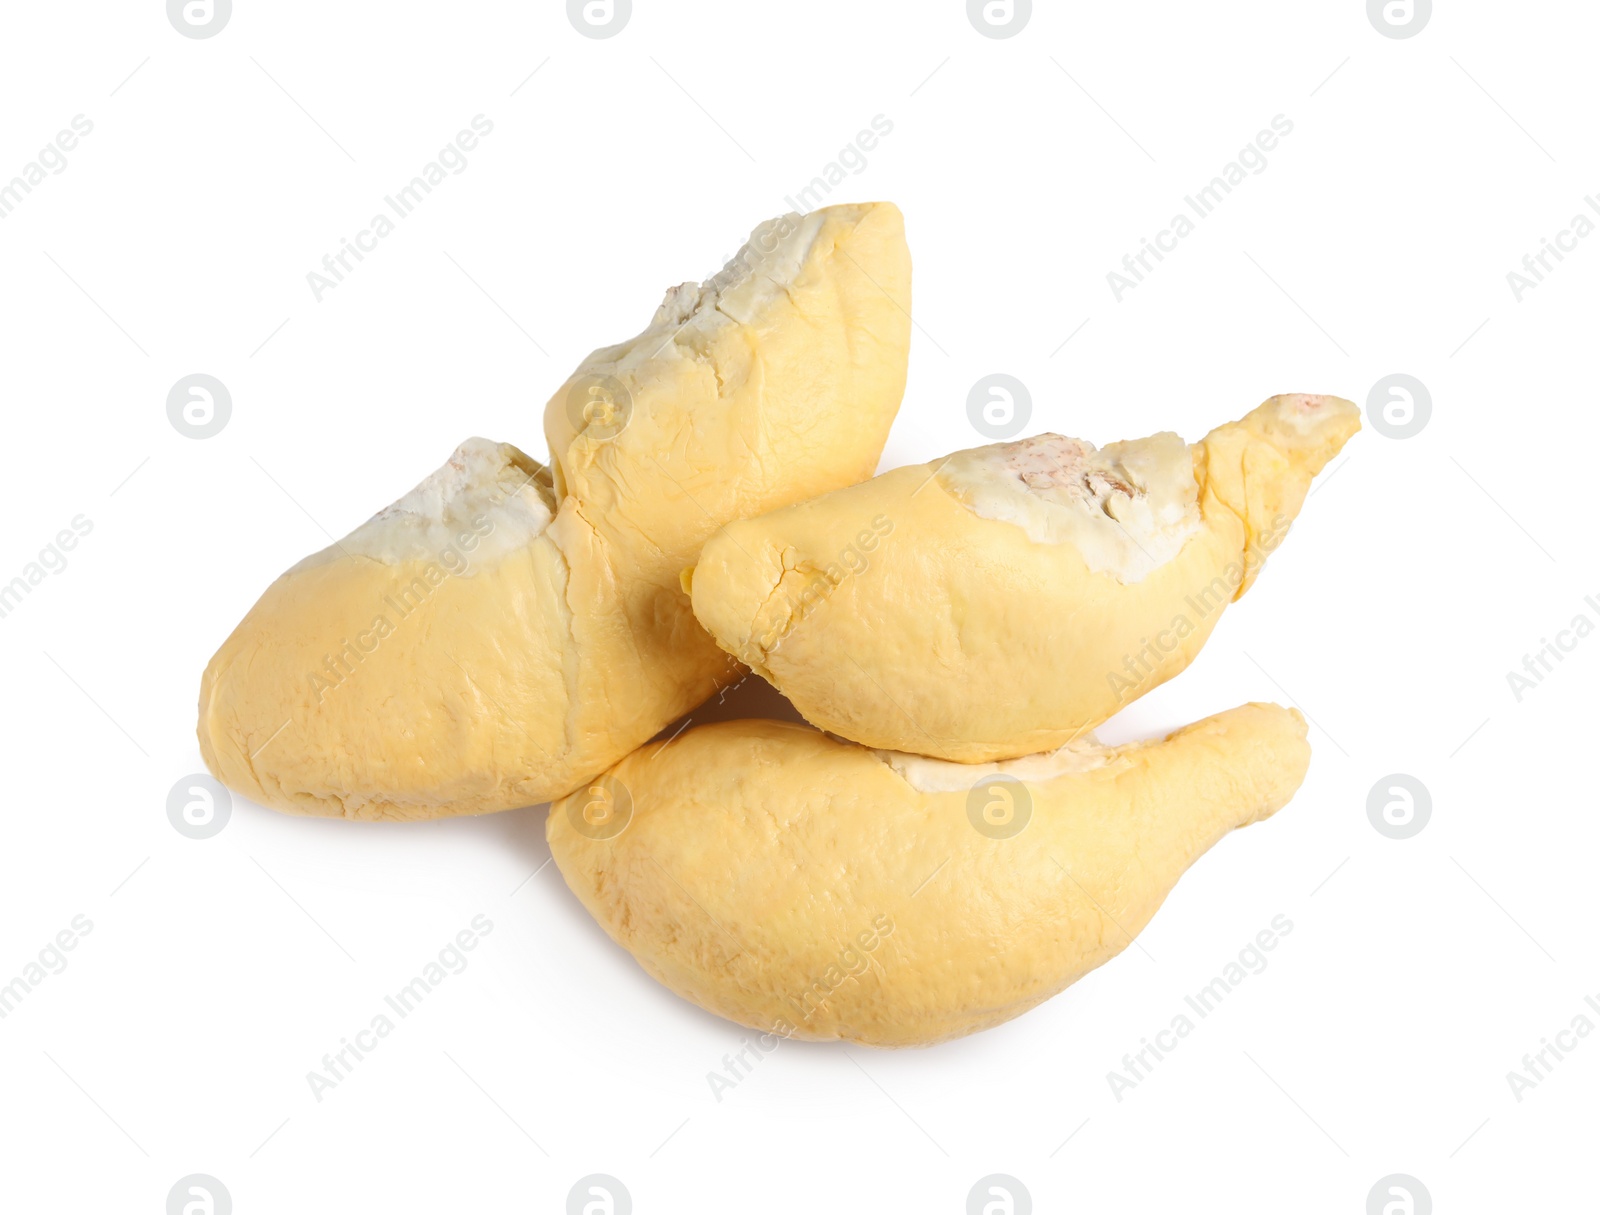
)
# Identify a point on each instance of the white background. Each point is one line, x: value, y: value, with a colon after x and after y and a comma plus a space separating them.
x: 219, y: 972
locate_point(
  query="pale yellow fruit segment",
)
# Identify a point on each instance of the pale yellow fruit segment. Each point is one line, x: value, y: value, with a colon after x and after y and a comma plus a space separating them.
x: 802, y: 886
x: 1008, y: 599
x: 504, y: 632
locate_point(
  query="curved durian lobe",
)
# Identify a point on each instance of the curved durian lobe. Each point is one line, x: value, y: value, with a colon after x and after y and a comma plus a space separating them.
x: 1007, y: 599
x: 446, y: 659
x: 812, y: 888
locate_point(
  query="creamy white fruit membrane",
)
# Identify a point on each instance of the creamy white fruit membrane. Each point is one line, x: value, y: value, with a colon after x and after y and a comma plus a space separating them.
x: 1128, y: 508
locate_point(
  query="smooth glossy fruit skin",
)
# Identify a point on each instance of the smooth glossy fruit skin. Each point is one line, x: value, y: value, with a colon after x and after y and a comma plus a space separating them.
x: 891, y: 614
x: 517, y: 680
x: 801, y: 886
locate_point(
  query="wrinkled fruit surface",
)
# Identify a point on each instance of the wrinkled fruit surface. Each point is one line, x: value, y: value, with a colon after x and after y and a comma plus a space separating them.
x: 813, y: 888
x: 505, y: 631
x: 1007, y: 599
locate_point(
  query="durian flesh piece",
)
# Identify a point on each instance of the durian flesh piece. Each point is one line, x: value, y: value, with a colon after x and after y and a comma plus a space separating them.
x: 1008, y: 599
x: 505, y: 631
x: 812, y: 888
